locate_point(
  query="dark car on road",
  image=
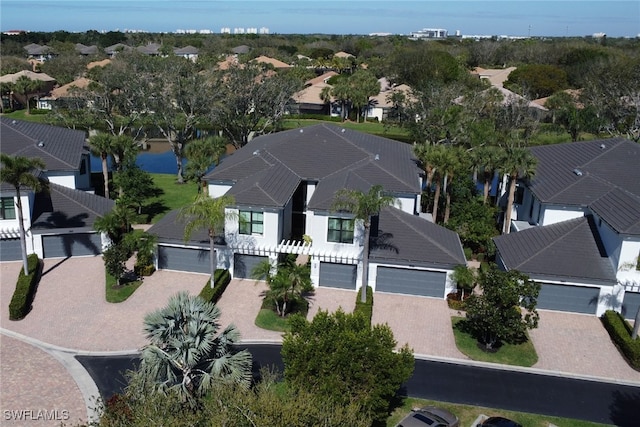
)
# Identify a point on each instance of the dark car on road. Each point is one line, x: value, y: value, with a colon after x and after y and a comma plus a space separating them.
x: 429, y: 416
x: 498, y: 422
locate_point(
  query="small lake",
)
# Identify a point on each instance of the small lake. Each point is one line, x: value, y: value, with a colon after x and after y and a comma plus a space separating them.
x: 157, y: 159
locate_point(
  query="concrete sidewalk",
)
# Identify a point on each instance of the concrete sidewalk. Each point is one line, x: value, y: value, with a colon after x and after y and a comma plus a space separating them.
x: 70, y: 312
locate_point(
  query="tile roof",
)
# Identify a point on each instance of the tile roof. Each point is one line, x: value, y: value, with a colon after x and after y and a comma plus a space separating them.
x: 12, y: 78
x: 63, y: 207
x: 591, y: 174
x: 416, y: 240
x: 316, y: 153
x: 273, y: 61
x: 64, y: 91
x: 569, y: 250
x: 61, y: 148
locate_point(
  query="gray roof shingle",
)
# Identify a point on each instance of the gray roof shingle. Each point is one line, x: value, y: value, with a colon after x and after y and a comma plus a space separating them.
x: 63, y: 207
x: 61, y: 149
x: 170, y: 229
x: 569, y: 250
x: 591, y: 173
x: 319, y: 153
x: 416, y: 240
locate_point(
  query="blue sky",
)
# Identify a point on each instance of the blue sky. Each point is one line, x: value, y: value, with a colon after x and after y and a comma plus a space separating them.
x: 513, y: 17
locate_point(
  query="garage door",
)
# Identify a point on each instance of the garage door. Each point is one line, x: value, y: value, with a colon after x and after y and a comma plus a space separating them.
x: 578, y: 299
x: 66, y: 245
x: 243, y: 265
x: 10, y: 250
x: 183, y: 259
x: 334, y: 275
x: 411, y: 282
x: 631, y: 304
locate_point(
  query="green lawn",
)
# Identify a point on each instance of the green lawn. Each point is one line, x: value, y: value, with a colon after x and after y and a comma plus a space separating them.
x: 268, y: 319
x: 509, y: 354
x: 467, y: 414
x: 174, y: 196
x: 120, y: 293
x: 22, y: 115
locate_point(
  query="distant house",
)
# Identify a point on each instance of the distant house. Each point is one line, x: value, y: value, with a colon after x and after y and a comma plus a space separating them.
x: 381, y: 105
x: 187, y: 52
x: 309, y: 101
x: 86, y: 50
x: 38, y: 52
x: 284, y: 185
x: 47, y: 83
x: 240, y: 50
x: 113, y: 50
x: 102, y: 63
x: 62, y: 95
x: 576, y: 227
x: 277, y: 64
x: 151, y: 49
x: 59, y: 222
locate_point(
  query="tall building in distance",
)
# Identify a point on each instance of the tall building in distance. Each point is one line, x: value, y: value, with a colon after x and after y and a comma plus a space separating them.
x: 429, y: 33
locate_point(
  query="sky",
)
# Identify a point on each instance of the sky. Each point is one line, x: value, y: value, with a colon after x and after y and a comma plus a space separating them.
x: 498, y: 17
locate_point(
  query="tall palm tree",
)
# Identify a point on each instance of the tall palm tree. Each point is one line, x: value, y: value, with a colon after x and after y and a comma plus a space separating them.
x: 455, y: 160
x: 518, y: 163
x: 438, y: 159
x: 186, y: 354
x: 208, y: 213
x: 102, y: 145
x: 19, y: 173
x: 489, y: 158
x: 201, y: 154
x: 363, y: 206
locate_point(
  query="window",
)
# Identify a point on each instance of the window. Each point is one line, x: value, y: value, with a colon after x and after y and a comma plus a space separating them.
x: 340, y: 230
x: 7, y: 208
x: 251, y: 222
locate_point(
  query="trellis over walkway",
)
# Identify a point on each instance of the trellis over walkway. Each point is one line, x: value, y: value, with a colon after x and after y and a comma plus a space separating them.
x: 346, y: 256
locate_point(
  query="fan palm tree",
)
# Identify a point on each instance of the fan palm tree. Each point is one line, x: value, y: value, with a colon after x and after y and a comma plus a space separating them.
x: 19, y: 173
x: 102, y: 145
x: 518, y: 163
x: 186, y: 354
x: 208, y: 213
x: 26, y: 86
x: 363, y: 206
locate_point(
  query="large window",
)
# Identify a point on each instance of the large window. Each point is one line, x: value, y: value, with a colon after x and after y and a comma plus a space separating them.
x: 340, y: 230
x: 7, y: 208
x: 251, y: 222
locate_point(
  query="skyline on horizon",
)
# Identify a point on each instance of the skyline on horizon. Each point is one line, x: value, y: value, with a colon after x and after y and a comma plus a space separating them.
x: 497, y: 17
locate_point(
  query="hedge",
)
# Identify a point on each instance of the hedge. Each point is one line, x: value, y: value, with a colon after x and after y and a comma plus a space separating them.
x: 366, y: 308
x: 22, y: 299
x: 221, y: 279
x: 620, y: 332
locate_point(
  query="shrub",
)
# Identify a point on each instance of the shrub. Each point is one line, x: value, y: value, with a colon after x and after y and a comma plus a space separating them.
x: 22, y: 299
x: 468, y: 253
x: 144, y: 270
x: 455, y: 301
x: 222, y: 279
x: 620, y: 333
x: 366, y: 308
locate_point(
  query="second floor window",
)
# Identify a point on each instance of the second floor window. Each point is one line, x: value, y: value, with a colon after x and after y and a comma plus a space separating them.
x: 340, y: 230
x: 251, y: 222
x: 7, y: 208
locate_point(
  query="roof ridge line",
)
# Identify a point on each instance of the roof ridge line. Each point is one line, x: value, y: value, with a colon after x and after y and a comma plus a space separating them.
x: 65, y: 192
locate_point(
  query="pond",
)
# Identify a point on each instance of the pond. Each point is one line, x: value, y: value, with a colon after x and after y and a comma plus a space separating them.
x: 158, y: 158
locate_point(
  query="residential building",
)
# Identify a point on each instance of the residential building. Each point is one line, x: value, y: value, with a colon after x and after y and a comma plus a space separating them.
x: 284, y: 185
x: 59, y: 222
x: 577, y: 226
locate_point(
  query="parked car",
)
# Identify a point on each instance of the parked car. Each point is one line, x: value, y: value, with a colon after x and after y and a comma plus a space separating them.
x: 430, y: 416
x: 498, y: 422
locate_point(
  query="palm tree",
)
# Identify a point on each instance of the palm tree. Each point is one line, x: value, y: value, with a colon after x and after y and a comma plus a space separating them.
x: 363, y: 206
x: 518, y: 163
x: 201, y: 154
x: 455, y: 160
x: 209, y: 213
x: 186, y: 354
x: 19, y: 173
x: 423, y: 152
x: 117, y: 223
x: 102, y: 145
x: 438, y: 158
x: 488, y: 159
x: 26, y: 86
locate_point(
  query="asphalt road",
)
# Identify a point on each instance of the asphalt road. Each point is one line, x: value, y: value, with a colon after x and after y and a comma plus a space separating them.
x: 587, y: 400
